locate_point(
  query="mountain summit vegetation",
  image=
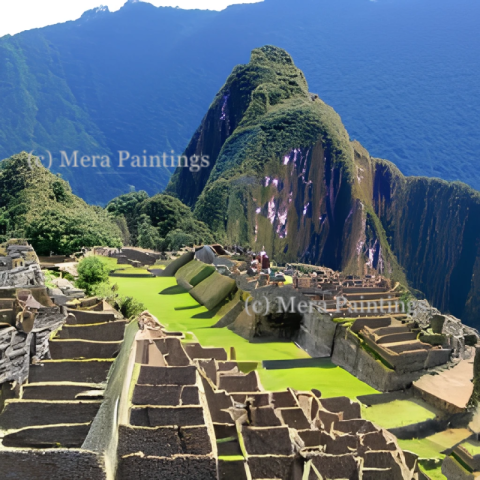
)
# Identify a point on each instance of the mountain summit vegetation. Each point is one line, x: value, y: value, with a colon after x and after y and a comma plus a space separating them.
x: 284, y: 174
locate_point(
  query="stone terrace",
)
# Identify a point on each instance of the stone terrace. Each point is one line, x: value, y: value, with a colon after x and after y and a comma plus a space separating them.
x: 43, y: 430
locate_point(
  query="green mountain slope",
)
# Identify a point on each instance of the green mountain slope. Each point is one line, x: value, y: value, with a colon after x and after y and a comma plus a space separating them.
x: 40, y: 206
x: 285, y: 175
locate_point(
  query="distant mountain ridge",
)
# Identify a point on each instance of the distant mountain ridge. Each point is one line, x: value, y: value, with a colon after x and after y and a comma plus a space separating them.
x: 285, y: 175
x: 141, y: 79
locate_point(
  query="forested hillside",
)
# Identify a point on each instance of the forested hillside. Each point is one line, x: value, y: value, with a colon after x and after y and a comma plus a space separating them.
x: 40, y: 206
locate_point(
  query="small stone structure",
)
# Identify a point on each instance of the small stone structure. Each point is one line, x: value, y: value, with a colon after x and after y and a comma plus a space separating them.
x: 27, y: 318
x: 19, y: 265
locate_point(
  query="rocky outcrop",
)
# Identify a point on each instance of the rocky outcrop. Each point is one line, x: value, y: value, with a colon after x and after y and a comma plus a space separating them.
x: 445, y: 263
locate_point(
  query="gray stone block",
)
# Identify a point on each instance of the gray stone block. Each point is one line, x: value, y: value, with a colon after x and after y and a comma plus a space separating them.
x: 94, y: 371
x: 65, y: 436
x: 267, y: 441
x: 51, y: 464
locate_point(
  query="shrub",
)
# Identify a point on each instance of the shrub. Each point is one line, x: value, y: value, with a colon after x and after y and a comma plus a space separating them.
x: 130, y: 307
x: 92, y: 271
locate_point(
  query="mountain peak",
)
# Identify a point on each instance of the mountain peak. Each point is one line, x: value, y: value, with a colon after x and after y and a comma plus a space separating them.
x: 94, y: 12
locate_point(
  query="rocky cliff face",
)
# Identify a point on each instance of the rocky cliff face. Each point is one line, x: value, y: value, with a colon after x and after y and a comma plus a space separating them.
x: 434, y: 230
x: 284, y: 174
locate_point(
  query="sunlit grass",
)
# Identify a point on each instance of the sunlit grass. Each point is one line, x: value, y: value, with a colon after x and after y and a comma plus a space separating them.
x: 398, y: 413
x: 178, y: 311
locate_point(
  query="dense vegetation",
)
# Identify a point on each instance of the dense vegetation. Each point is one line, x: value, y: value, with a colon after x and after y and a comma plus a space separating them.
x: 161, y: 222
x: 40, y: 206
x: 87, y: 86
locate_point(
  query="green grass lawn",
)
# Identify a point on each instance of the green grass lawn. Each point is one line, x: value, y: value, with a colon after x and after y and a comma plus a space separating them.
x: 398, y: 413
x: 124, y: 269
x: 423, y: 447
x: 433, y: 473
x: 432, y: 447
x: 472, y: 447
x: 178, y: 311
x: 132, y: 271
x: 332, y: 381
x: 109, y: 261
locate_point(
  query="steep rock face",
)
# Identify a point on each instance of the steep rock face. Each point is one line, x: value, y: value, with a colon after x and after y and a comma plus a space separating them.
x: 285, y: 175
x: 433, y: 227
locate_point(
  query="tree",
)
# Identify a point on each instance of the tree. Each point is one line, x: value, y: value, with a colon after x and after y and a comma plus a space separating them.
x: 176, y: 239
x: 92, y: 271
x: 121, y: 223
x: 39, y: 205
x: 126, y: 206
x: 148, y: 236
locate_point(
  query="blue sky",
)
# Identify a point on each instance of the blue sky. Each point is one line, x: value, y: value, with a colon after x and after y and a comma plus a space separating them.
x: 19, y: 15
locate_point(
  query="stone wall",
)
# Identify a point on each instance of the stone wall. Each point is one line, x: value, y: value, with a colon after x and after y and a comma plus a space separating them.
x: 17, y: 348
x: 349, y: 354
x: 22, y: 277
x: 317, y: 334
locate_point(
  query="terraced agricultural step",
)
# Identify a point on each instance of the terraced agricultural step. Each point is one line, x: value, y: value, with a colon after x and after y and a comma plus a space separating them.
x: 51, y: 464
x: 164, y: 441
x: 361, y: 290
x: 396, y: 337
x: 97, y: 332
x: 166, y: 395
x: 66, y: 436
x: 167, y: 375
x: 198, y: 467
x: 88, y: 371
x: 391, y: 330
x: 407, y: 346
x: 366, y: 297
x: 166, y: 416
x: 57, y: 391
x: 28, y: 413
x: 72, y: 349
x: 88, y: 317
